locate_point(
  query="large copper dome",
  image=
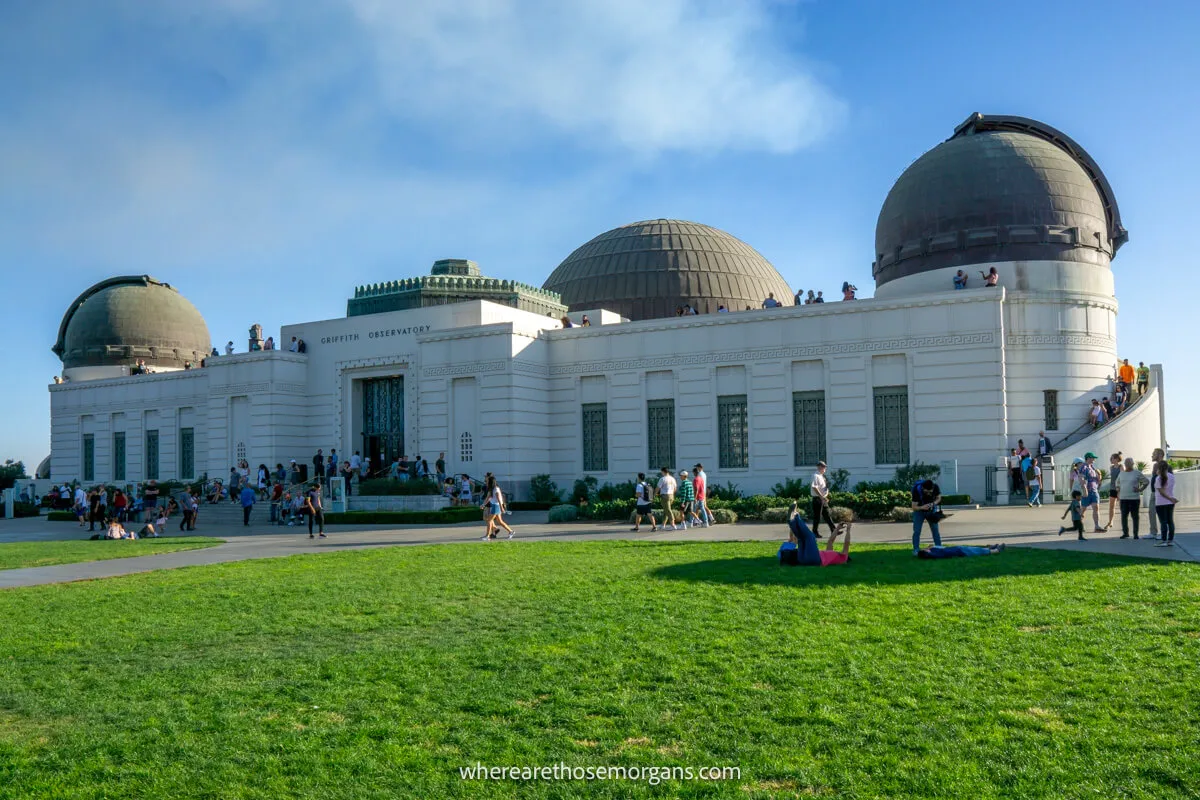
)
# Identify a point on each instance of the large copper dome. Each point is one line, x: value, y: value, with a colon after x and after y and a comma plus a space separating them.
x: 999, y: 189
x: 646, y: 269
x: 131, y: 317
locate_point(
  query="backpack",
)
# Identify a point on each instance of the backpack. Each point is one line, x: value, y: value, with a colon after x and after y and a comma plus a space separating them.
x: 789, y: 555
x: 1030, y: 474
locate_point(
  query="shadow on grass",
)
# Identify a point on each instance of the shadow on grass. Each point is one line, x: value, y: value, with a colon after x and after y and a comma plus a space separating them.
x: 893, y: 565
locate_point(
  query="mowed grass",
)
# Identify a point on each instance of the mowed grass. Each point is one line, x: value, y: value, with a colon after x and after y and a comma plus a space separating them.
x: 379, y: 673
x: 16, y: 555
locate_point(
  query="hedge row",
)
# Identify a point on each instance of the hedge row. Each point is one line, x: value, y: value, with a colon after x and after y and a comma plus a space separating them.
x: 386, y: 487
x: 447, y: 516
x: 62, y: 516
x: 865, y: 505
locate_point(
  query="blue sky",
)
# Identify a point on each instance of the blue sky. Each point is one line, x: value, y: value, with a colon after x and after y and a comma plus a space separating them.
x: 266, y: 156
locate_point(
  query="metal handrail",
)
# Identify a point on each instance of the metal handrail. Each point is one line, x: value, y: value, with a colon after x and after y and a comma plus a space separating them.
x: 1070, y: 439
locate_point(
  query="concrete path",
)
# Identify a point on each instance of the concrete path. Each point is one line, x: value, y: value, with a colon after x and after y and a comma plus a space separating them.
x: 1017, y: 526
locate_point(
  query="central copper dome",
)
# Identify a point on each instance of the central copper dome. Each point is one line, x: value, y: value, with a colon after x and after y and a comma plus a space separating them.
x: 646, y: 269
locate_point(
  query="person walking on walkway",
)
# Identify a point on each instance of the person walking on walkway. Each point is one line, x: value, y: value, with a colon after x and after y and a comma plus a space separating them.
x: 666, y: 496
x: 700, y: 483
x: 1114, y: 473
x: 643, y: 497
x: 687, y: 501
x: 1143, y: 378
x: 926, y: 506
x: 493, y: 508
x: 1091, y: 489
x: 1034, y: 483
x: 1130, y: 485
x: 315, y: 510
x: 248, y: 497
x: 819, y: 491
x: 1075, y: 509
x: 1163, y: 486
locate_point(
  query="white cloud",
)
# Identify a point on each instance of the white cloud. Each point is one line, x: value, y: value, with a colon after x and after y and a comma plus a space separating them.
x: 649, y: 76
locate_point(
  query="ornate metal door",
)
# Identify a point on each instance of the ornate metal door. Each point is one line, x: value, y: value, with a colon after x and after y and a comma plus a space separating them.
x: 383, y: 419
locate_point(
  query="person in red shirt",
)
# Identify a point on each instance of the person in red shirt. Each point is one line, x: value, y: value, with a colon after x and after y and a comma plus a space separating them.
x: 121, y: 504
x: 809, y: 554
x: 700, y: 484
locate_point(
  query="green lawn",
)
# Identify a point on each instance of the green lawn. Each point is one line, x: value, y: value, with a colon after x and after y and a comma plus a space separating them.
x: 45, y: 554
x: 379, y: 673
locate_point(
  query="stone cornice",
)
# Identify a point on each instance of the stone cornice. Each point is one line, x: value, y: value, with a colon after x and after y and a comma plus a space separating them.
x: 477, y: 331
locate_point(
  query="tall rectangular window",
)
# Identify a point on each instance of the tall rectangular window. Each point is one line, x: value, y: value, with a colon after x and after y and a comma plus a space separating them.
x: 733, y: 432
x: 151, y: 455
x: 187, y: 453
x: 595, y: 437
x: 808, y: 427
x: 118, y: 456
x: 660, y: 433
x: 1050, y: 402
x: 891, y: 424
x: 89, y: 457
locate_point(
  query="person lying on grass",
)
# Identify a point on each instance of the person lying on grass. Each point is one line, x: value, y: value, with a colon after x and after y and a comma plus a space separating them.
x: 962, y: 551
x: 804, y: 544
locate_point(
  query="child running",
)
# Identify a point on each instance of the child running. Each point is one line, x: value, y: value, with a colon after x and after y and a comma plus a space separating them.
x: 1075, y: 509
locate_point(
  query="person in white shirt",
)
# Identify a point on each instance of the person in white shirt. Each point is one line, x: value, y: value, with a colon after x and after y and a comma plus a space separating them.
x: 356, y: 465
x: 1163, y: 487
x: 820, y: 500
x: 666, y: 496
x: 464, y: 490
x: 1035, y: 486
x: 229, y: 348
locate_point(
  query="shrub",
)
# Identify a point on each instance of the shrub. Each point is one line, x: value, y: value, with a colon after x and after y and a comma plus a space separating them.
x: 543, y: 489
x: 750, y: 507
x: 446, y: 516
x: 873, y: 486
x: 838, y: 480
x: 377, y: 487
x: 730, y: 491
x: 620, y: 491
x: 584, y: 490
x: 613, y: 509
x: 25, y: 509
x: 841, y: 514
x: 725, y: 516
x: 956, y: 499
x: 871, y: 505
x: 901, y: 514
x: 776, y: 515
x: 529, y: 505
x: 790, y: 488
x: 61, y: 516
x: 564, y: 513
x: 909, y: 474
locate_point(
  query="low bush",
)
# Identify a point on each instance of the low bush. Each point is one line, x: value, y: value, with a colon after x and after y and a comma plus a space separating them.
x: 612, y: 509
x: 584, y: 490
x: 543, y: 490
x: 753, y: 507
x: 609, y: 492
x: 901, y: 514
x: 790, y: 488
x: 776, y: 515
x: 25, y: 510
x: 529, y: 505
x: 447, y: 516
x: 871, y: 505
x: 842, y: 514
x: 61, y: 516
x: 380, y: 487
x: 730, y: 491
x: 956, y: 499
x: 725, y: 516
x: 563, y: 513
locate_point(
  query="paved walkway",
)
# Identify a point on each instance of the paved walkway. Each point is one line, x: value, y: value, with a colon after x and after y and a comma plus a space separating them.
x: 1016, y: 526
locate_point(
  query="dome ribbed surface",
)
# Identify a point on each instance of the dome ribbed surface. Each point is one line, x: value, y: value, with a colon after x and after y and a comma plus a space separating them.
x: 644, y: 270
x: 131, y: 317
x: 989, y: 195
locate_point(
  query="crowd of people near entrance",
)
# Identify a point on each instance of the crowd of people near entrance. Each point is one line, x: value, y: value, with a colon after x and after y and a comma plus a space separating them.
x: 1126, y: 386
x: 1125, y: 486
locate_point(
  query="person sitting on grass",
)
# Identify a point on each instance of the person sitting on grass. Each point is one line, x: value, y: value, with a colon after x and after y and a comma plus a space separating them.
x: 804, y: 543
x: 960, y: 551
x: 1075, y: 509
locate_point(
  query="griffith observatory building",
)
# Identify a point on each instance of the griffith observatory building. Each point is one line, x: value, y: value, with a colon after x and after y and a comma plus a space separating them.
x: 483, y: 369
